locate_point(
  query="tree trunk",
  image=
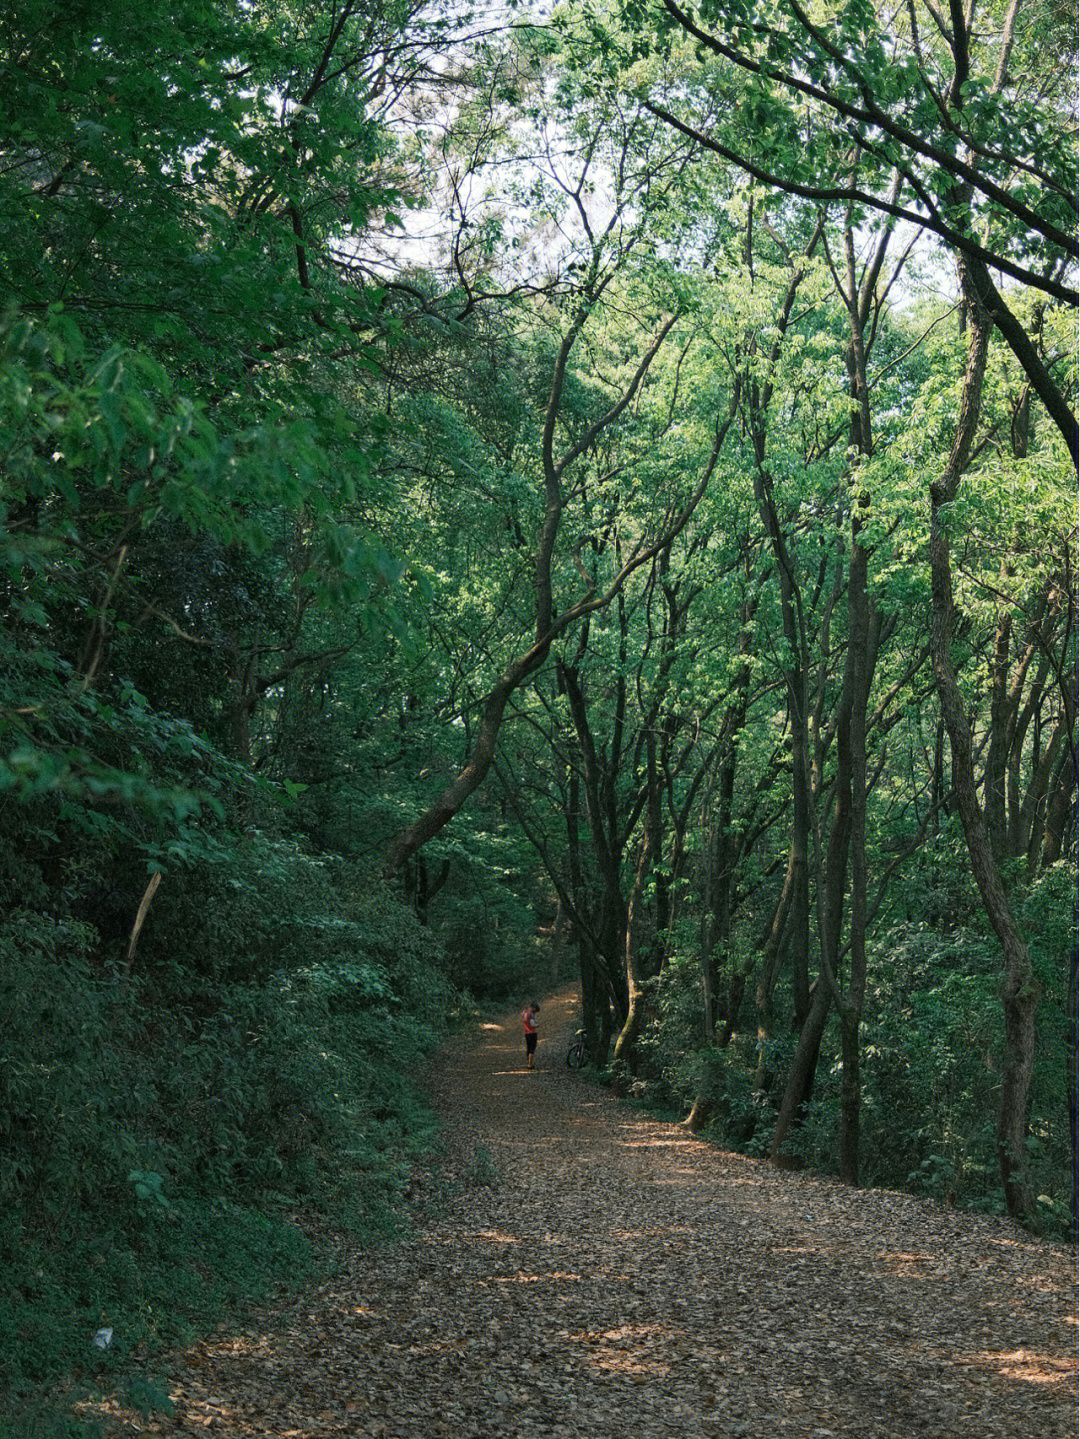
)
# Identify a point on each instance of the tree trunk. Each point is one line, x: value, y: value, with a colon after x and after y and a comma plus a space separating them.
x: 863, y: 641
x: 998, y: 750
x: 1020, y: 991
x: 595, y: 1006
x: 1071, y: 1081
x: 641, y: 955
x: 557, y: 940
x: 860, y: 651
x: 607, y: 851
x: 800, y: 1077
x: 850, y: 1095
x: 707, y: 927
x: 796, y: 688
x: 638, y: 972
x: 772, y: 945
x: 1057, y: 809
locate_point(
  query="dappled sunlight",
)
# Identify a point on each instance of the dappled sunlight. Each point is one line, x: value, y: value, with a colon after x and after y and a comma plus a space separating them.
x: 1013, y: 1242
x: 730, y: 1157
x: 906, y: 1266
x: 1039, y: 1282
x: 685, y: 1145
x: 499, y: 1027
x: 634, y: 1349
x: 1026, y: 1366
x: 623, y: 1362
x: 201, y: 1410
x: 492, y: 1236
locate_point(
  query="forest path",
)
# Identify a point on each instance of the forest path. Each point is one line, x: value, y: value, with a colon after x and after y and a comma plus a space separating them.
x: 594, y: 1272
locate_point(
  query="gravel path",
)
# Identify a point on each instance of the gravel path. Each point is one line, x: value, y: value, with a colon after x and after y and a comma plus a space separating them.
x: 595, y: 1273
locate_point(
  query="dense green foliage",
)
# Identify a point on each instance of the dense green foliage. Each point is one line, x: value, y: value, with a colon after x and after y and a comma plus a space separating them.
x: 932, y: 1036
x: 474, y: 503
x: 161, y: 1127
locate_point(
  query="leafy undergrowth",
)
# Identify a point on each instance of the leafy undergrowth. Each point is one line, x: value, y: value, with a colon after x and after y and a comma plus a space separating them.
x: 169, y: 1159
x: 88, y: 1299
x: 161, y: 1291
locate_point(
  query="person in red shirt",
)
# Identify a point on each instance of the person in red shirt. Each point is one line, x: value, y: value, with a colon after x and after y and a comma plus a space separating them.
x: 528, y: 1019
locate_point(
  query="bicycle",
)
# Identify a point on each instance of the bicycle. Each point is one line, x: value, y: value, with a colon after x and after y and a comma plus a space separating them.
x: 576, y: 1055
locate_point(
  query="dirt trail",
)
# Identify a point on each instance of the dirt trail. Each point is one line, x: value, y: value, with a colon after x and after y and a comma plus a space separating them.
x: 596, y: 1273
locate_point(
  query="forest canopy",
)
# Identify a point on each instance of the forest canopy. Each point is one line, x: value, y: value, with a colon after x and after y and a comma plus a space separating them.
x: 490, y: 495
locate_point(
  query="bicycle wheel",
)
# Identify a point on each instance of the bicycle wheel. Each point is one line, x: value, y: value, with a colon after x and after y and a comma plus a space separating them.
x: 575, y: 1055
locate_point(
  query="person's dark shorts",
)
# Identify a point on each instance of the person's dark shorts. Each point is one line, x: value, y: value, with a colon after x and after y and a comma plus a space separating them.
x: 530, y: 1044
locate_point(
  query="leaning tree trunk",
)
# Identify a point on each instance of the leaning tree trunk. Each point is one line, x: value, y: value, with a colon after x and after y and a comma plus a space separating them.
x: 772, y: 947
x: 800, y: 1076
x: 641, y: 965
x: 638, y: 971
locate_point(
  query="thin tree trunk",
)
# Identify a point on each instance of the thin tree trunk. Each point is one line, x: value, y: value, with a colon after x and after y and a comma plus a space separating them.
x: 1071, y: 1081
x: 773, y: 947
x: 707, y: 927
x: 1057, y: 809
x: 607, y: 848
x: 860, y: 650
x: 595, y: 1005
x: 140, y: 917
x: 800, y: 1078
x: 998, y: 750
x: 557, y: 938
x: 642, y: 952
